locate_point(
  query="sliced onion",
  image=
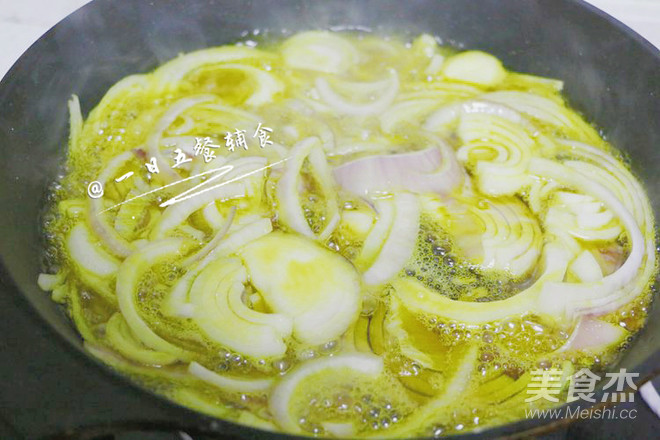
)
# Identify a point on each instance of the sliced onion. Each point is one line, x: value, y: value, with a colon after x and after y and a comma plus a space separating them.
x: 498, y: 152
x: 400, y: 243
x: 173, y: 112
x: 445, y: 116
x: 185, y: 143
x: 290, y: 209
x: 106, y: 233
x: 427, y: 413
x: 570, y: 297
x: 378, y: 234
x: 48, y: 282
x: 475, y: 67
x: 320, y: 51
x: 233, y: 183
x: 340, y: 105
x: 178, y: 68
x: 213, y: 243
x: 593, y: 334
x: 177, y: 303
x: 174, y: 215
x: 586, y: 268
x: 545, y: 110
x: 419, y: 299
x: 120, y: 337
x: 88, y: 256
x: 614, y: 176
x: 280, y: 397
x: 282, y: 266
x: 228, y: 383
x: 75, y: 124
x: 582, y: 217
x: 406, y: 111
x: 210, y: 294
x: 512, y: 239
x: 128, y: 279
x: 213, y: 217
x: 432, y: 170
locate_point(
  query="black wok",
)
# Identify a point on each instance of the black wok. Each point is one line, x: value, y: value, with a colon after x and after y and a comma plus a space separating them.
x: 611, y: 75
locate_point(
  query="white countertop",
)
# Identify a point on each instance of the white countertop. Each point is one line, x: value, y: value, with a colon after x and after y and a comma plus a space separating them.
x: 22, y: 22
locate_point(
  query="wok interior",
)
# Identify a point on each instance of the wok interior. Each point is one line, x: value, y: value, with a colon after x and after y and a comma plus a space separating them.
x: 609, y: 76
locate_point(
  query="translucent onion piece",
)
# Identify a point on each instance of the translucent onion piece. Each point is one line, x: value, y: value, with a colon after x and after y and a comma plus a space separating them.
x: 126, y: 86
x: 445, y: 116
x: 340, y: 105
x: 585, y: 268
x: 441, y: 91
x: 173, y: 112
x: 545, y: 110
x: 344, y: 365
x: 512, y: 239
x: 177, y: 303
x: 88, y: 256
x: 321, y: 51
x: 288, y: 189
x: 75, y: 124
x: 419, y: 299
x: 474, y: 67
x: 580, y: 216
x: 498, y: 151
x: 267, y: 85
x: 426, y: 414
x: 128, y: 279
x: 378, y: 234
x: 210, y: 294
x: 48, y: 282
x: 568, y: 298
x: 233, y: 180
x: 406, y: 111
x: 93, y: 265
x: 400, y: 243
x: 431, y: 170
x: 175, y: 215
x: 106, y: 233
x: 614, y: 176
x: 213, y: 243
x: 212, y: 216
x: 228, y: 383
x: 282, y: 268
x: 181, y: 66
x: 594, y: 335
x: 120, y: 337
x: 539, y: 107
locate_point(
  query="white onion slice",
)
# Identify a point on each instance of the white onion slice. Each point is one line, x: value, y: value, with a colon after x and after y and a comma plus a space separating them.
x: 177, y: 303
x: 288, y: 189
x: 213, y: 243
x: 154, y: 140
x: 447, y: 115
x: 106, y: 233
x: 571, y: 297
x: 340, y: 105
x: 128, y: 278
x: 400, y: 243
x: 280, y: 397
x: 228, y: 383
